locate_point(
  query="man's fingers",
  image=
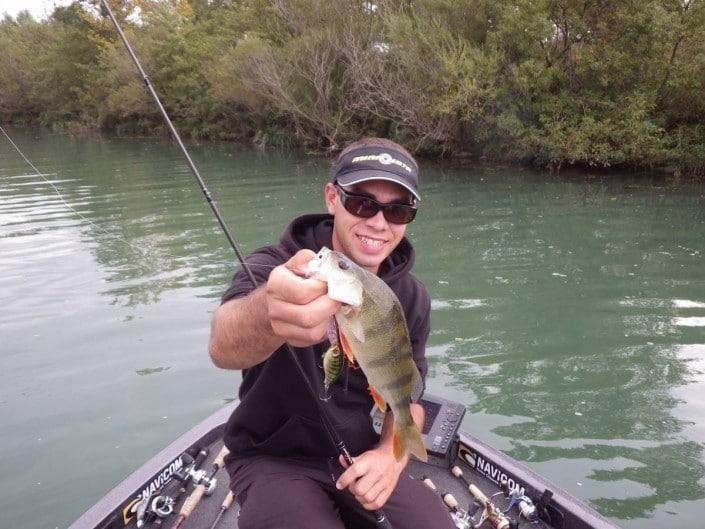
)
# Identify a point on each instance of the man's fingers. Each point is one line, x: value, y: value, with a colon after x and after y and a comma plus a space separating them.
x: 298, y: 308
x: 302, y: 325
x: 364, y: 481
x: 298, y: 336
x: 374, y: 498
x: 313, y: 314
x: 285, y: 285
x: 349, y: 476
x: 368, y: 486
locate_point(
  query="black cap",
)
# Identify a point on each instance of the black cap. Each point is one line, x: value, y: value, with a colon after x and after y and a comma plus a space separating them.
x: 377, y: 163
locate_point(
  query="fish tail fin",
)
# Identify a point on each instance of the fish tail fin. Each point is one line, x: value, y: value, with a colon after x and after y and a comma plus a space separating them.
x: 408, y: 439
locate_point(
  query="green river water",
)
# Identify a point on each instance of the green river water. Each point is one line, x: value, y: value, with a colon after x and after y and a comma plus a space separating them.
x: 568, y: 315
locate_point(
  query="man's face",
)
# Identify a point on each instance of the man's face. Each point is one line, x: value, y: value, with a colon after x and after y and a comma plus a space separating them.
x: 368, y: 242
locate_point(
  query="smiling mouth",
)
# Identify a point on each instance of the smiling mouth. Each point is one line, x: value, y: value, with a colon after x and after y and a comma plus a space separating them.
x: 372, y: 243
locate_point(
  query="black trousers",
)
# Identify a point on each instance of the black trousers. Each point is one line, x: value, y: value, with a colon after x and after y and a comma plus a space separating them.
x: 278, y: 493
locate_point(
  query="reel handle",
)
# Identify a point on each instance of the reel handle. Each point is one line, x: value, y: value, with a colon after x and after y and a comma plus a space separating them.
x: 450, y: 501
x: 430, y: 484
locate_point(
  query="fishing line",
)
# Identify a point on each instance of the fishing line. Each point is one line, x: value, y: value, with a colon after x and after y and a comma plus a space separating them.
x: 333, y: 435
x: 138, y: 250
x: 71, y: 208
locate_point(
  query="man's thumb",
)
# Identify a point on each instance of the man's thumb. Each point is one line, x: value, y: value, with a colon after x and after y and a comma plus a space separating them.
x: 299, y: 262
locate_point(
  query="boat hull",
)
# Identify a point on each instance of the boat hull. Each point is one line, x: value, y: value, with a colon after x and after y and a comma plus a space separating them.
x: 481, y: 464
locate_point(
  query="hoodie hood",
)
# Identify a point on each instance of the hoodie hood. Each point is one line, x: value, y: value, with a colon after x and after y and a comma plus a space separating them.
x: 316, y: 231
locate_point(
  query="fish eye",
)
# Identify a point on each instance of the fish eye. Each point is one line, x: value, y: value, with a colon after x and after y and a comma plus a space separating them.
x: 342, y: 265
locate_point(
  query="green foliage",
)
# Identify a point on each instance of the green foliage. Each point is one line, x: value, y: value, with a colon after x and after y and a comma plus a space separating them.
x: 19, y: 67
x: 595, y: 131
x: 552, y: 82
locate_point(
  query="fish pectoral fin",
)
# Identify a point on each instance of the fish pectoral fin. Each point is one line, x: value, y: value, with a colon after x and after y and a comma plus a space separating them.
x: 347, y: 350
x: 408, y: 439
x: 379, y: 401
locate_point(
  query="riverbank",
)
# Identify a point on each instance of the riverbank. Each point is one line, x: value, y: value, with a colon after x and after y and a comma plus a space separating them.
x: 544, y: 85
x: 656, y: 175
x: 541, y: 84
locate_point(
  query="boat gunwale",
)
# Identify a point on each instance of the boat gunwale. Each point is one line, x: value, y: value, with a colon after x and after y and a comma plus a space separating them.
x: 204, y: 432
x: 527, y: 476
x: 210, y: 429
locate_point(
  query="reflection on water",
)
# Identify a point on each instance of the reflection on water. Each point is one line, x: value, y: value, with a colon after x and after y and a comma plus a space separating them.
x: 691, y: 321
x: 567, y: 315
x: 456, y: 304
x: 573, y: 360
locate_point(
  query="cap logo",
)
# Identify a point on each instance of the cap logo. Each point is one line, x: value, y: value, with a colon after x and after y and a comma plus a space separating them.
x: 385, y: 159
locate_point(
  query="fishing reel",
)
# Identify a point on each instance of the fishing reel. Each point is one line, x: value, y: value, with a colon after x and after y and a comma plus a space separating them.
x: 495, y: 517
x: 201, y: 477
x: 526, y: 506
x: 164, y: 503
x: 461, y: 518
x: 465, y: 519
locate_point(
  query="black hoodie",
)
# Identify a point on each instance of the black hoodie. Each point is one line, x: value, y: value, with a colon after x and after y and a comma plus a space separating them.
x: 276, y: 415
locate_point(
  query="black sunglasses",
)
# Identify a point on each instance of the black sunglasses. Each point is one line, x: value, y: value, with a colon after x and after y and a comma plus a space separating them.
x: 367, y: 207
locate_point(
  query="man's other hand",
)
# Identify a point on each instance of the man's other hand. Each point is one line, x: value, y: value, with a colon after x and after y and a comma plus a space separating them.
x: 372, y: 477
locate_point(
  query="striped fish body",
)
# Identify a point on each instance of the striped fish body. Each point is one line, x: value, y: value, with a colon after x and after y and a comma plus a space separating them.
x: 373, y: 330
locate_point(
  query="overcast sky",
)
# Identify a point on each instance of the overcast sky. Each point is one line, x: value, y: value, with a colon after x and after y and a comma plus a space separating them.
x: 38, y: 8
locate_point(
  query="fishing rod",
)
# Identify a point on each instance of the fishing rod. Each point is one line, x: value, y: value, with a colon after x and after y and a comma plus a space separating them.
x: 203, y: 485
x: 490, y: 513
x: 517, y: 498
x: 162, y: 503
x: 227, y: 503
x: 461, y: 518
x: 335, y: 438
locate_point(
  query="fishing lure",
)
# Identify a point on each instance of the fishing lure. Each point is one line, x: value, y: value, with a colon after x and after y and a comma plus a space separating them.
x: 332, y: 366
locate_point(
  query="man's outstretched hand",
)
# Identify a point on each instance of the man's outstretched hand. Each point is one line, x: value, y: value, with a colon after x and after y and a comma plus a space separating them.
x: 299, y: 308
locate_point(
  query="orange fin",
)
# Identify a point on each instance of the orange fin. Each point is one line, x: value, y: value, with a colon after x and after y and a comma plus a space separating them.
x: 379, y: 401
x: 345, y: 345
x: 408, y: 439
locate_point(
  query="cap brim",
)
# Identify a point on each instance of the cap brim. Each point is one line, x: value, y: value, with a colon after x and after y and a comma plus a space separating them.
x: 363, y: 176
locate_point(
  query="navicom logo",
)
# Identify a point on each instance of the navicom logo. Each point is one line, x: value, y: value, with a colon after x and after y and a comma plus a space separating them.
x: 129, y: 511
x: 385, y: 159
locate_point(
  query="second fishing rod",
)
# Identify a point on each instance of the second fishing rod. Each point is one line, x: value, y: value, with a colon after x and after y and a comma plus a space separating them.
x: 334, y: 436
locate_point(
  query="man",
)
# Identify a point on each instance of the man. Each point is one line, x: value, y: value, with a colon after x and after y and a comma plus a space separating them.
x: 283, y: 468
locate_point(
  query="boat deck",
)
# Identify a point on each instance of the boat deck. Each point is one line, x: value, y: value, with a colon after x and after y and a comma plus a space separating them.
x: 209, y: 507
x: 481, y: 464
